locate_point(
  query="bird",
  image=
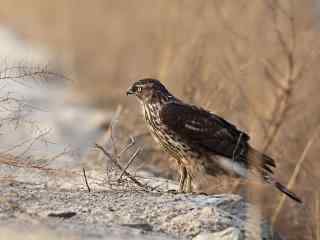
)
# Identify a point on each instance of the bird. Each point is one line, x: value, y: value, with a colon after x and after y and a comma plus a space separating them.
x: 201, y: 142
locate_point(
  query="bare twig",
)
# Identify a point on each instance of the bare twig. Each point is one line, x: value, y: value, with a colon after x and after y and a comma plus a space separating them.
x: 283, y: 104
x: 56, y: 172
x: 273, y: 73
x: 134, y: 155
x: 115, y: 162
x: 11, y: 161
x: 21, y: 72
x: 132, y: 142
x: 19, y: 164
x: 85, y: 179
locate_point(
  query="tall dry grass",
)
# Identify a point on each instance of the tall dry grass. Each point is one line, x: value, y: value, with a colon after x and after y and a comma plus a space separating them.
x: 253, y: 62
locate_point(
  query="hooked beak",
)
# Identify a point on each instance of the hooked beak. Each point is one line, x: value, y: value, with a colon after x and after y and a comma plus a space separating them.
x: 130, y: 92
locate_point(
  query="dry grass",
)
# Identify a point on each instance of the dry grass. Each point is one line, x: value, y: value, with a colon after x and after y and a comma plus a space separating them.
x: 254, y: 62
x: 295, y: 173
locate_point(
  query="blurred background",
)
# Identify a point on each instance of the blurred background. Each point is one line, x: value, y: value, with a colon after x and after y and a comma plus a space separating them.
x: 253, y: 62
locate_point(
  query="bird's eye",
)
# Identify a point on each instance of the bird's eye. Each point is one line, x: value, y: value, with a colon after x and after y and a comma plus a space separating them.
x: 139, y: 89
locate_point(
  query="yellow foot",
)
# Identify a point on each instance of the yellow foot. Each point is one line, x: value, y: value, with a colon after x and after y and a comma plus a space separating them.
x: 188, y: 184
x: 182, y: 180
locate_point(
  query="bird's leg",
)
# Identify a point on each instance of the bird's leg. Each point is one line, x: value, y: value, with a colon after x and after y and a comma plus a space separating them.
x: 183, y: 173
x: 188, y: 184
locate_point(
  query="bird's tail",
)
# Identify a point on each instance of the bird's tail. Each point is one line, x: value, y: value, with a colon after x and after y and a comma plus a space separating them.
x: 265, y: 165
x: 261, y: 162
x: 286, y: 191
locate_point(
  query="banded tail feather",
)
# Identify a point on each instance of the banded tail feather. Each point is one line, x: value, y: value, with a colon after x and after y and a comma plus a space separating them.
x: 286, y: 191
x: 265, y: 165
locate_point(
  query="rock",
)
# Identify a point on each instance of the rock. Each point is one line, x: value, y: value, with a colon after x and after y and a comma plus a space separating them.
x: 230, y: 233
x: 123, y: 212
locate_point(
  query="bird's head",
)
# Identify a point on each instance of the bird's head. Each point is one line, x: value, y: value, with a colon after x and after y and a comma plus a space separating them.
x: 148, y: 89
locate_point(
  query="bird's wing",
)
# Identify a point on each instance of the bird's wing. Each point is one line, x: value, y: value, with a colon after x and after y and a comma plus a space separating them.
x: 202, y: 128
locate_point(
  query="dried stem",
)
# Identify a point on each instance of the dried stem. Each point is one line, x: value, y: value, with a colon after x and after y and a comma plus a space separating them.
x: 85, y: 179
x: 295, y: 173
x: 24, y: 72
x: 115, y: 162
x: 134, y: 155
x: 283, y: 104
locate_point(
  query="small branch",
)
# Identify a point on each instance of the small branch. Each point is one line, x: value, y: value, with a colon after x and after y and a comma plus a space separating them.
x: 18, y: 164
x: 271, y: 70
x: 283, y: 103
x: 21, y: 72
x: 134, y: 155
x: 133, y: 179
x: 85, y: 179
x: 132, y: 142
x: 11, y: 161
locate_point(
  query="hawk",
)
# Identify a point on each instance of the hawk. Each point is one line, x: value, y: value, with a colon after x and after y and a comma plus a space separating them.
x: 200, y: 141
